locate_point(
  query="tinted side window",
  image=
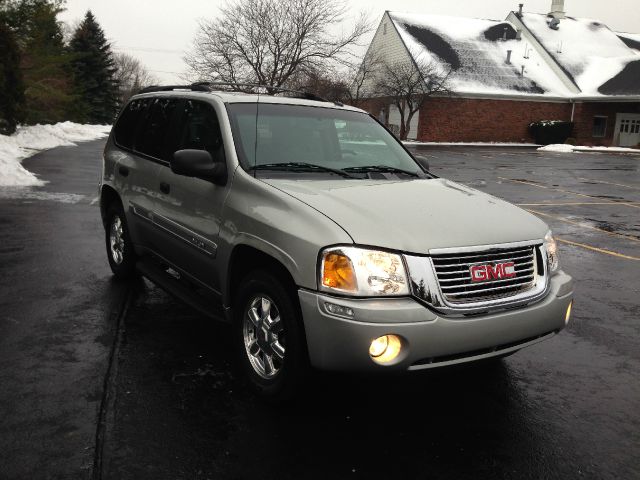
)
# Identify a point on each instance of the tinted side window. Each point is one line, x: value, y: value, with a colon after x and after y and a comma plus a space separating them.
x: 152, y: 139
x: 126, y: 126
x: 199, y: 130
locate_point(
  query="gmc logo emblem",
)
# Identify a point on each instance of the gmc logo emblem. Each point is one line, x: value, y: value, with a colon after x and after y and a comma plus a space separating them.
x: 482, y: 273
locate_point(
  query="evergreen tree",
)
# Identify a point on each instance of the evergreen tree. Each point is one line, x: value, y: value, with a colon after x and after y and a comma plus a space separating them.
x: 44, y: 61
x: 11, y: 84
x: 94, y: 71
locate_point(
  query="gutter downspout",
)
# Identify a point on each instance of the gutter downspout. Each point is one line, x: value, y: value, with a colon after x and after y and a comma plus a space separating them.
x: 573, y: 108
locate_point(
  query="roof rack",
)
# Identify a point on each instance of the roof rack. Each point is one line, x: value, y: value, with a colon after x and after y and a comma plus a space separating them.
x: 232, y: 87
x: 240, y: 87
x: 167, y: 88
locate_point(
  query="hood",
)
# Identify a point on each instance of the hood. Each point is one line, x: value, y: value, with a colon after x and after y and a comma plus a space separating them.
x: 415, y: 216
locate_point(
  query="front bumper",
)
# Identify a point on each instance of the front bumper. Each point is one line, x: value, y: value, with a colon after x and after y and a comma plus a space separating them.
x: 429, y: 340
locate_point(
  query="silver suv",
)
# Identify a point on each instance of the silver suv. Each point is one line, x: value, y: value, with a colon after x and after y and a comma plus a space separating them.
x: 308, y: 226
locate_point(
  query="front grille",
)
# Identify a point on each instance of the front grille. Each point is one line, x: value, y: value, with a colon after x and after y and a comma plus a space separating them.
x: 454, y: 276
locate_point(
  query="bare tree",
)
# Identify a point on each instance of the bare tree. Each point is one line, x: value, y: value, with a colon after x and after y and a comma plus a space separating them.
x: 132, y: 76
x: 267, y: 42
x: 363, y: 79
x: 330, y: 85
x: 410, y: 85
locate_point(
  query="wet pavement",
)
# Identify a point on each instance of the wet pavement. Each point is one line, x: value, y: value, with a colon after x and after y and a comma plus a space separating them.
x: 171, y: 405
x: 58, y: 316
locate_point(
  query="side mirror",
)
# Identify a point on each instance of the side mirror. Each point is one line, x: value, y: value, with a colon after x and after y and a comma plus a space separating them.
x: 422, y: 161
x: 199, y: 164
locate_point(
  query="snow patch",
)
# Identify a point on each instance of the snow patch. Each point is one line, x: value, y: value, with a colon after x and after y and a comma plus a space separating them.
x: 563, y: 148
x: 410, y: 143
x: 557, y: 147
x: 22, y: 193
x: 29, y: 140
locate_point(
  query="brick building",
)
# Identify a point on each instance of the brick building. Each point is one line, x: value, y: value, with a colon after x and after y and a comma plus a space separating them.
x: 507, y: 74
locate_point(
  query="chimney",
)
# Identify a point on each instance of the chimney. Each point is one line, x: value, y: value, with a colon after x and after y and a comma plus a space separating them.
x: 508, y: 57
x: 520, y: 5
x: 557, y: 9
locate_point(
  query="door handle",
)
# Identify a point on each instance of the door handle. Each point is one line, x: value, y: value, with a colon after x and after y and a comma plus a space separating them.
x: 165, y: 187
x: 124, y: 171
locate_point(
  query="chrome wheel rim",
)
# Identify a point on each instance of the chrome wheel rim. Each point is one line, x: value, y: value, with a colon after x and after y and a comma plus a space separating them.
x: 263, y: 333
x: 116, y: 240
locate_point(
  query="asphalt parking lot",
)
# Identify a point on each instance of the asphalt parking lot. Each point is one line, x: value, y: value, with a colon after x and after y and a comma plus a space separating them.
x: 113, y: 381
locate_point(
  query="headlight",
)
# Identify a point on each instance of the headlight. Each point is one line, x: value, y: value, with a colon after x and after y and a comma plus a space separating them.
x: 551, y: 247
x: 362, y: 272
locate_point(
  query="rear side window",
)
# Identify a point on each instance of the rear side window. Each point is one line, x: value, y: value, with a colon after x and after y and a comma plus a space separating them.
x: 126, y: 127
x: 153, y: 138
x: 199, y: 130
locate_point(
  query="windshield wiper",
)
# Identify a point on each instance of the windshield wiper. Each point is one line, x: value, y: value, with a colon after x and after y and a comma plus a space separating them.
x: 292, y: 166
x: 380, y: 169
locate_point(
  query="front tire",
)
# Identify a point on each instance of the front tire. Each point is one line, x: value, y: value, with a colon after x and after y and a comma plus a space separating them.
x: 270, y: 336
x: 120, y: 251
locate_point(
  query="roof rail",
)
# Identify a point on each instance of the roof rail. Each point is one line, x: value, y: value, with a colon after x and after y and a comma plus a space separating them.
x: 234, y: 87
x: 167, y: 88
x: 243, y: 87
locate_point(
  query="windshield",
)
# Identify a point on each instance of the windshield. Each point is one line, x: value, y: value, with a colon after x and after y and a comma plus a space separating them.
x: 313, y: 140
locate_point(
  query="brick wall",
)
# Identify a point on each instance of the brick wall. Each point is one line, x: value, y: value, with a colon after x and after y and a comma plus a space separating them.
x: 583, y: 119
x: 475, y: 120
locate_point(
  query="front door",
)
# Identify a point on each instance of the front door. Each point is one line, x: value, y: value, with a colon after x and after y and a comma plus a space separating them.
x: 189, y: 210
x: 628, y: 129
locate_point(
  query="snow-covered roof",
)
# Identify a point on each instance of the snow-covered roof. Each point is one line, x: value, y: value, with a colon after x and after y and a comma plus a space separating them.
x: 595, y: 58
x: 476, y: 51
x: 631, y: 40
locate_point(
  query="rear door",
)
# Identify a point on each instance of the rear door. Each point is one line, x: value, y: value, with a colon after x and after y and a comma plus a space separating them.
x: 151, y: 151
x: 135, y: 175
x: 190, y: 209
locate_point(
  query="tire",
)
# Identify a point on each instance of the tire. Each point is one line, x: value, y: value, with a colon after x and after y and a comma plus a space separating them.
x: 270, y: 341
x: 120, y: 252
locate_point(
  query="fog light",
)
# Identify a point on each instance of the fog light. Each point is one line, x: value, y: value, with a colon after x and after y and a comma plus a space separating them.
x: 339, y: 310
x: 384, y: 349
x: 566, y: 317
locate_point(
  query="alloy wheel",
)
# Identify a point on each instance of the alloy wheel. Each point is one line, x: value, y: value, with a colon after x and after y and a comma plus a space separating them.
x: 116, y: 240
x: 263, y: 334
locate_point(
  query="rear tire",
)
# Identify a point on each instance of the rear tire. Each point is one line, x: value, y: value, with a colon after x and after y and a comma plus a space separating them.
x: 120, y: 252
x: 270, y: 337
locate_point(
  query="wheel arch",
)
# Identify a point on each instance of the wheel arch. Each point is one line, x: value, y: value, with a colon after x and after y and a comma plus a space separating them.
x: 108, y: 195
x: 246, y: 258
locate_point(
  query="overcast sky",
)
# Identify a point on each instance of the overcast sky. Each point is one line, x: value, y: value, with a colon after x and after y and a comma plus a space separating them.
x: 158, y: 32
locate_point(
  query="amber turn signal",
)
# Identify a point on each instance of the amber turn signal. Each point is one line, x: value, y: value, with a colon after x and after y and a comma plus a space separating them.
x: 338, y: 272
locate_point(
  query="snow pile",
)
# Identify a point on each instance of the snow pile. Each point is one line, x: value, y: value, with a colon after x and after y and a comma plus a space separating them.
x: 563, y: 148
x: 557, y: 147
x: 30, y: 140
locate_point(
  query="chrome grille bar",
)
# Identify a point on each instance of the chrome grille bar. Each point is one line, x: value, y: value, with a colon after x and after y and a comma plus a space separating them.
x: 444, y: 279
x: 462, y: 288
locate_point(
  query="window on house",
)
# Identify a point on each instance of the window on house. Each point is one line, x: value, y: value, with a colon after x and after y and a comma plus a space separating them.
x: 384, y: 28
x: 599, y: 126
